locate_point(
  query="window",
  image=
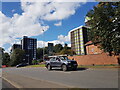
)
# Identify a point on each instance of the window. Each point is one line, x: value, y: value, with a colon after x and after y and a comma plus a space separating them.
x: 52, y: 59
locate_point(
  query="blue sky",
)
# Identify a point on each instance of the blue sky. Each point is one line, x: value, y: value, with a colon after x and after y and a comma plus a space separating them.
x: 53, y: 33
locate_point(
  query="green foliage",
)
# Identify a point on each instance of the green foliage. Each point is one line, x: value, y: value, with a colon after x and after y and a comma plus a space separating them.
x: 40, y: 60
x: 35, y: 62
x: 65, y: 46
x: 105, y: 26
x: 67, y: 51
x: 6, y: 59
x: 39, y: 53
x: 46, y: 50
x: 58, y: 48
x: 1, y: 55
x: 41, y: 65
x: 17, y: 57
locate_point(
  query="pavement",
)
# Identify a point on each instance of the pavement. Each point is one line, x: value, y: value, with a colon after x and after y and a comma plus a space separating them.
x: 20, y: 81
x: 6, y: 84
x: 40, y: 77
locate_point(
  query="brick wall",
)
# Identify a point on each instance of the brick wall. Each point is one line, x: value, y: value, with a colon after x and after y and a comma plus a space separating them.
x: 100, y: 59
x: 92, y: 49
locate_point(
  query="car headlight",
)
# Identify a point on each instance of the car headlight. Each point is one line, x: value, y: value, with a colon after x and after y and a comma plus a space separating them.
x: 69, y: 62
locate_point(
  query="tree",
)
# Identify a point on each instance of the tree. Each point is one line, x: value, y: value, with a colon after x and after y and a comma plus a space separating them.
x: 39, y: 53
x: 58, y: 48
x: 67, y: 51
x: 65, y: 46
x: 46, y: 51
x: 17, y: 57
x: 6, y: 59
x: 1, y: 55
x: 35, y: 62
x: 105, y: 26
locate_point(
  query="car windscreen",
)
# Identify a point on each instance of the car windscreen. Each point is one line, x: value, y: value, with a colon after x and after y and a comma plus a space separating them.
x: 63, y: 58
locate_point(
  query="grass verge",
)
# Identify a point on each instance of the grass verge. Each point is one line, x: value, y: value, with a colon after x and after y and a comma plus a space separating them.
x: 99, y: 66
x: 83, y: 66
x: 41, y: 65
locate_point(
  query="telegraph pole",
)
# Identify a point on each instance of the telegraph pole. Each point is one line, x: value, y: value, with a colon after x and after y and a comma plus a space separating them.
x: 43, y: 44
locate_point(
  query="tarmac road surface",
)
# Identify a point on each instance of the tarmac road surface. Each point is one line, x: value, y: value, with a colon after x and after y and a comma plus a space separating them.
x: 6, y: 84
x: 40, y: 77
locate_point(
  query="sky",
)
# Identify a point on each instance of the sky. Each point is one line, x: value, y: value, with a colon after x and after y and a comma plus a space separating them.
x: 46, y: 21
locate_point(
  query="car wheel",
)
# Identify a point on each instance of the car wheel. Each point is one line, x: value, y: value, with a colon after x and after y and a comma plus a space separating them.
x: 64, y: 67
x: 49, y: 67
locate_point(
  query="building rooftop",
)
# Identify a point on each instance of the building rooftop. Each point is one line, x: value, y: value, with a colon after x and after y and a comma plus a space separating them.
x: 77, y: 28
x: 28, y: 37
x: 91, y: 43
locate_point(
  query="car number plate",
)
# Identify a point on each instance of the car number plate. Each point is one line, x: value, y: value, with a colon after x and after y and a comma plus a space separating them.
x: 75, y: 64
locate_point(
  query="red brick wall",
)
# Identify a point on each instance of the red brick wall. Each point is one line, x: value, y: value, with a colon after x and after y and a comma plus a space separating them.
x: 92, y: 49
x: 100, y: 59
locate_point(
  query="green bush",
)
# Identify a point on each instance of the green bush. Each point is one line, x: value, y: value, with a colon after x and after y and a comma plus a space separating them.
x: 35, y: 62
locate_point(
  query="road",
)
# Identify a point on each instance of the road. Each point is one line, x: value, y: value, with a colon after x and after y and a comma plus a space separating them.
x: 42, y: 78
x: 6, y: 84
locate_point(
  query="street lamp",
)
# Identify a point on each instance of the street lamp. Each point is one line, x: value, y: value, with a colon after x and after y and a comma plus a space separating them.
x: 28, y: 58
x: 23, y: 60
x: 43, y: 44
x: 28, y: 55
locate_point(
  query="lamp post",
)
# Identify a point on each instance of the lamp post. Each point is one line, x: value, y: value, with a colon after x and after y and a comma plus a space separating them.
x: 43, y: 44
x: 23, y: 60
x: 28, y: 56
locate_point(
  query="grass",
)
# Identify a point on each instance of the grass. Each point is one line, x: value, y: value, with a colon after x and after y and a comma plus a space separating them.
x: 83, y: 66
x: 99, y: 66
x: 77, y: 89
x: 41, y: 65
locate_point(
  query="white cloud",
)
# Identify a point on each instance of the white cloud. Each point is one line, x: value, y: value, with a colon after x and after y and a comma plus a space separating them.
x: 41, y: 44
x: 69, y: 45
x: 18, y: 26
x: 61, y: 40
x: 58, y: 24
x: 8, y: 50
x: 64, y: 38
x: 5, y: 32
x: 45, y: 44
x: 50, y: 10
x: 31, y: 22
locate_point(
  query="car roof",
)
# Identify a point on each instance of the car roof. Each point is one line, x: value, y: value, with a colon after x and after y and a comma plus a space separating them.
x: 58, y: 56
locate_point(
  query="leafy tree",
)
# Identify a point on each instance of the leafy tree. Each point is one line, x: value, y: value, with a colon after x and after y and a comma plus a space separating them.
x: 39, y: 53
x: 68, y: 52
x: 6, y: 59
x: 1, y: 55
x: 46, y: 51
x: 0, y: 58
x: 65, y: 46
x: 35, y: 62
x: 17, y: 57
x: 58, y: 48
x: 105, y: 26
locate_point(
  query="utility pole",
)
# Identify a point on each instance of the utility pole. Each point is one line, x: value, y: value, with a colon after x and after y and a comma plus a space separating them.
x: 43, y: 44
x: 28, y: 56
